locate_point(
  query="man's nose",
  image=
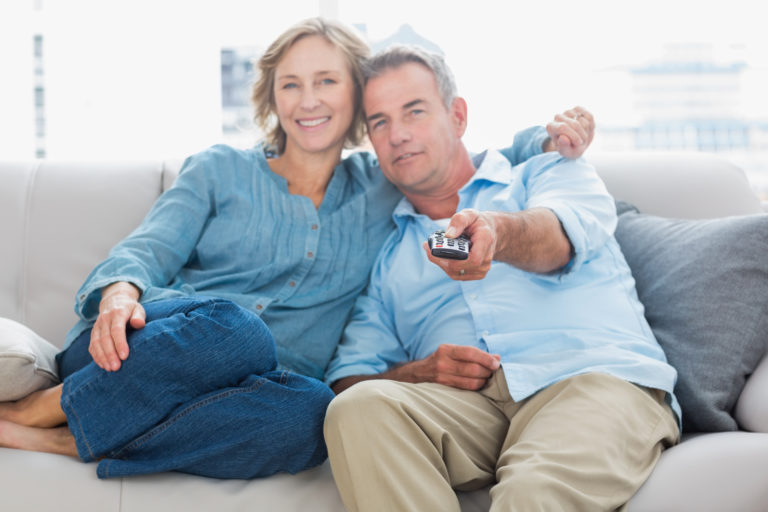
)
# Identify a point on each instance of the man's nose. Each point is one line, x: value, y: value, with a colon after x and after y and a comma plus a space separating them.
x: 398, y: 134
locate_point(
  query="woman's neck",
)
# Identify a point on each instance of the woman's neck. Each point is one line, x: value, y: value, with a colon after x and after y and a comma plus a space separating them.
x: 307, y: 174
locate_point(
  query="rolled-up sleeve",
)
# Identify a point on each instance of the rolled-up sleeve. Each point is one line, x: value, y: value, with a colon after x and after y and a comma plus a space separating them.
x: 576, y: 194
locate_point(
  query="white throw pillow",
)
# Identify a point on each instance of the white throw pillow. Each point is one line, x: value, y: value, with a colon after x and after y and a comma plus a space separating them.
x: 27, y: 361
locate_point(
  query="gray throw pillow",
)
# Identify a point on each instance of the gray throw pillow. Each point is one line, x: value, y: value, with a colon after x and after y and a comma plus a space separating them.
x: 704, y: 285
x: 27, y: 361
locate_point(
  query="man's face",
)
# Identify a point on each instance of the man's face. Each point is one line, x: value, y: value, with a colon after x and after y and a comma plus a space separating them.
x: 415, y: 136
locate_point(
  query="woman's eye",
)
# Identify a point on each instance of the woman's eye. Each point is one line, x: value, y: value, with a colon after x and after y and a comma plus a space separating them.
x: 328, y: 81
x: 290, y: 85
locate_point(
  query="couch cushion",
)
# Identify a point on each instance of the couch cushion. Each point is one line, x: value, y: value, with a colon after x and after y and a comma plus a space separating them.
x: 704, y: 284
x: 27, y: 361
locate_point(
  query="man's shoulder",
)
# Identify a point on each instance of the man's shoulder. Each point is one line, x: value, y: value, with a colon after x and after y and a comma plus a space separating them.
x: 493, y: 166
x: 553, y: 163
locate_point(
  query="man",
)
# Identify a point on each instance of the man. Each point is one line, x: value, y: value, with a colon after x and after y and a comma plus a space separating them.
x: 529, y: 365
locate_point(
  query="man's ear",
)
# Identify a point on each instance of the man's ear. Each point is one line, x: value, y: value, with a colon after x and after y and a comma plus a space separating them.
x: 459, y: 115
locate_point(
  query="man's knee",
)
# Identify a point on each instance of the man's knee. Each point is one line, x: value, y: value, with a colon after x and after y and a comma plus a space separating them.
x: 361, y: 405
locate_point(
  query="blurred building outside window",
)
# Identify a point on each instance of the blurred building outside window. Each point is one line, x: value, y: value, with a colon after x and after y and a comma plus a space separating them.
x: 138, y: 82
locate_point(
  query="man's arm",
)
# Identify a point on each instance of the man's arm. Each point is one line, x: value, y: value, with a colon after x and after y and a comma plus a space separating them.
x: 532, y: 240
x: 452, y: 365
x: 570, y: 215
x: 371, y: 348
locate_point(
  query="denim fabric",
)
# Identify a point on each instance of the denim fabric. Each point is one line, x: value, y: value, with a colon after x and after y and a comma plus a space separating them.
x: 199, y: 393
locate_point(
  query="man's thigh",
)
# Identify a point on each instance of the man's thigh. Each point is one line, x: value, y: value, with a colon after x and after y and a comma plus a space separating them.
x: 457, y: 433
x: 589, y: 441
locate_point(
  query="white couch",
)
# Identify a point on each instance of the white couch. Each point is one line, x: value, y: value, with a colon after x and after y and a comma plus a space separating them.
x: 58, y: 219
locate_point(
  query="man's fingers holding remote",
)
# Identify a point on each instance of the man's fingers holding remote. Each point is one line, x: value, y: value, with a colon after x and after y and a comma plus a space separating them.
x: 458, y: 270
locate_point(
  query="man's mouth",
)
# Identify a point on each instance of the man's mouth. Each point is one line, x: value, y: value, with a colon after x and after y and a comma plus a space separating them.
x: 404, y: 156
x: 309, y: 123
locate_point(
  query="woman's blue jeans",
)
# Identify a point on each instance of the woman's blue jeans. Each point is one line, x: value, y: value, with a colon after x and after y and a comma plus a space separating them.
x: 199, y: 393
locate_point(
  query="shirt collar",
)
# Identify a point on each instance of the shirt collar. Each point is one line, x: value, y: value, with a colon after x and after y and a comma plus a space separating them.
x: 491, y: 166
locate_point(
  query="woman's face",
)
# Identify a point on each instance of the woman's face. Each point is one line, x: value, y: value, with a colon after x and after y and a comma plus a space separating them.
x: 314, y: 96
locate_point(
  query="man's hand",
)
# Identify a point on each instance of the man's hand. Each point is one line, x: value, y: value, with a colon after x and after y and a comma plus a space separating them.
x: 118, y: 308
x: 480, y: 228
x: 571, y: 132
x: 457, y: 366
x: 532, y: 240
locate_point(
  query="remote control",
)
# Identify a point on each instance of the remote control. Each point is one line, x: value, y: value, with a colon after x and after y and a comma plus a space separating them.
x: 451, y: 248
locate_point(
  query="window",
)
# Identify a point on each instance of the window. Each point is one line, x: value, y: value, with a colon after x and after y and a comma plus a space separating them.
x: 166, y: 78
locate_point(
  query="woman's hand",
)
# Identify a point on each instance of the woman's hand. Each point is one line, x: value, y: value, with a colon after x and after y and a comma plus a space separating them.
x: 119, y: 307
x: 571, y: 132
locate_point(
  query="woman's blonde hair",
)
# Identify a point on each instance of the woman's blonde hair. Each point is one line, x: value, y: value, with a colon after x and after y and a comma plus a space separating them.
x: 351, y: 45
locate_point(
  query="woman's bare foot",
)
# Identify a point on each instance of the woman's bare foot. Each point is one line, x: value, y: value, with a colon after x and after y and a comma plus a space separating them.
x: 50, y: 440
x: 39, y: 409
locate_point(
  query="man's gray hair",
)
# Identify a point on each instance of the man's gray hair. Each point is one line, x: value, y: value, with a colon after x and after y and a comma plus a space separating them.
x: 399, y: 55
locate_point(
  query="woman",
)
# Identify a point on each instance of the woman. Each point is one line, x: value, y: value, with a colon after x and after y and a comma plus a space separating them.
x: 204, y: 333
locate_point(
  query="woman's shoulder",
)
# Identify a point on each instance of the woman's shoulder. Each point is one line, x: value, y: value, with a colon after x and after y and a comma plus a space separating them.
x: 225, y: 154
x: 220, y: 160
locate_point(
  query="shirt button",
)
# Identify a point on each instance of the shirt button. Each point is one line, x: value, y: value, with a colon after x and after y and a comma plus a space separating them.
x: 485, y: 334
x: 473, y: 296
x: 310, y: 254
x: 259, y: 307
x: 292, y: 284
x: 314, y: 227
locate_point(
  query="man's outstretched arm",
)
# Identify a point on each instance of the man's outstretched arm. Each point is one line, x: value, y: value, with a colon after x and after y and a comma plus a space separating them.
x: 532, y: 240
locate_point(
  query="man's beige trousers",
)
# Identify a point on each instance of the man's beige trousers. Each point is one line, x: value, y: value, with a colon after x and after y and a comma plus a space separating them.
x: 584, y: 444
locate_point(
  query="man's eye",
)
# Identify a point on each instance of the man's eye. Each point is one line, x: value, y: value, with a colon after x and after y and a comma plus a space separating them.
x: 377, y: 124
x: 328, y: 81
x: 417, y: 111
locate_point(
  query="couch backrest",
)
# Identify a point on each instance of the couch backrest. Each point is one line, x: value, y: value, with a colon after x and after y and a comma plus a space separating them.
x: 681, y: 185
x: 58, y: 219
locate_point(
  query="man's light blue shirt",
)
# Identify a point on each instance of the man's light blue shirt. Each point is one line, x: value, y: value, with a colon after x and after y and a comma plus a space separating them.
x: 546, y: 328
